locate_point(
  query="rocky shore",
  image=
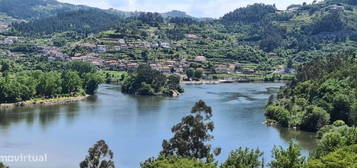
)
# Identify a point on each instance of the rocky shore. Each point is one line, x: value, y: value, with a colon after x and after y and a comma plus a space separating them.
x: 39, y: 102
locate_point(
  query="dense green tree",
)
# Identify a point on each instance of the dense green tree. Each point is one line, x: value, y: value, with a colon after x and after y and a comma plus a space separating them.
x: 71, y: 82
x: 336, y: 136
x: 152, y: 19
x: 82, y: 67
x: 341, y: 108
x: 147, y: 81
x: 190, y: 73
x: 7, y: 66
x: 27, y: 86
x: 173, y: 83
x: 198, y: 74
x: 345, y: 157
x: 175, y: 162
x: 82, y: 21
x: 249, y: 14
x: 99, y: 156
x: 49, y: 84
x: 328, y: 23
x: 91, y: 82
x: 278, y: 113
x: 191, y: 135
x: 324, y: 91
x: 315, y: 118
x: 287, y: 158
x: 145, y: 89
x: 244, y: 158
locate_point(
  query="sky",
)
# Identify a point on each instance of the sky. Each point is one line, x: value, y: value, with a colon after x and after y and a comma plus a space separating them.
x: 197, y: 8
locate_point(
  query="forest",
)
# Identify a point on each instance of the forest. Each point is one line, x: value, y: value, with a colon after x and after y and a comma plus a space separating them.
x: 323, y: 92
x: 18, y: 85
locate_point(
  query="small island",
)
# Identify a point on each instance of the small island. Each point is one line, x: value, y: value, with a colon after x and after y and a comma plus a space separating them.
x: 150, y: 82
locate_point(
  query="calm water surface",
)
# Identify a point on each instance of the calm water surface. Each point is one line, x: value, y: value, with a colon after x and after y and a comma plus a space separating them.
x: 134, y: 127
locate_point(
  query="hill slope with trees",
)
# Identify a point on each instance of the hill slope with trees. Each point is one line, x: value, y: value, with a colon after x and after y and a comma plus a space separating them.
x: 323, y: 92
x: 301, y: 33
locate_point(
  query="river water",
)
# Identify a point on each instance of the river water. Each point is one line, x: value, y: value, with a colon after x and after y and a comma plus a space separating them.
x: 135, y: 126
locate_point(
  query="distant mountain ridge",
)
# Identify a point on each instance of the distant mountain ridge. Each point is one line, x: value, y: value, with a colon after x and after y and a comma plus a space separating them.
x: 27, y: 9
x: 32, y: 9
x: 176, y: 13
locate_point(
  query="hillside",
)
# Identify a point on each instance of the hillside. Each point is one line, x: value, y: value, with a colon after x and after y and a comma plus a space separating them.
x: 254, y: 42
x: 176, y: 13
x: 298, y: 32
x: 25, y: 9
x: 324, y: 92
x: 83, y: 21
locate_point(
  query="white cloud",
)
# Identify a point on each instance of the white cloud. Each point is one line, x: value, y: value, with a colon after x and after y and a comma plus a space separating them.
x: 200, y: 8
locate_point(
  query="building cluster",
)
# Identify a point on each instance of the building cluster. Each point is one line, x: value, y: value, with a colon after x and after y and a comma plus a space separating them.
x: 110, y: 45
x: 3, y: 28
x: 284, y: 70
x: 9, y: 40
x: 164, y: 66
x: 53, y: 53
x: 90, y: 52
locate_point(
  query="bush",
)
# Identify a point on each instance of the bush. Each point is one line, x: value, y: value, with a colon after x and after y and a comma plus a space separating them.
x: 146, y: 89
x: 92, y: 82
x: 243, y: 158
x: 335, y: 136
x: 175, y: 162
x: 289, y: 158
x: 315, y: 118
x: 345, y: 157
x: 279, y: 114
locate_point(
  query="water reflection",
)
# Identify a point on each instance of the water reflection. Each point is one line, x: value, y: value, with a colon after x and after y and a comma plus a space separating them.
x: 72, y: 111
x: 16, y: 115
x: 305, y: 139
x: 147, y: 103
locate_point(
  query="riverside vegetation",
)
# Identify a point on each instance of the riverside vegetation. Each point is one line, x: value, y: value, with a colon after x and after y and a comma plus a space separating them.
x: 323, y: 92
x: 17, y: 84
x: 147, y: 81
x: 189, y: 148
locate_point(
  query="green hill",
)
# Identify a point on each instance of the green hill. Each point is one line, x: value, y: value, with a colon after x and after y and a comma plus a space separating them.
x: 257, y: 33
x: 25, y: 9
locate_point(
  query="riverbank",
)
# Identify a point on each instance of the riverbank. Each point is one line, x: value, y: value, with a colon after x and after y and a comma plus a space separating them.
x: 42, y: 101
x: 203, y: 82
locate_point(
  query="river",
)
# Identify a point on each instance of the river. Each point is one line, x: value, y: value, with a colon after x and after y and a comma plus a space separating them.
x: 134, y: 126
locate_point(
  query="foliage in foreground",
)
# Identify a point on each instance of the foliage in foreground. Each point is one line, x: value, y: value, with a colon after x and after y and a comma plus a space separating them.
x: 334, y: 137
x: 244, y: 158
x: 287, y: 158
x: 345, y: 157
x: 175, y: 162
x: 191, y: 134
x: 99, y: 156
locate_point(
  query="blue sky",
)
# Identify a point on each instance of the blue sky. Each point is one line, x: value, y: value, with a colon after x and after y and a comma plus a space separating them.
x: 198, y: 8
